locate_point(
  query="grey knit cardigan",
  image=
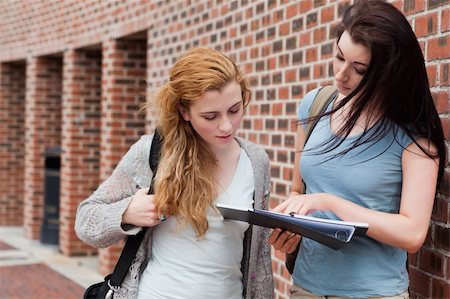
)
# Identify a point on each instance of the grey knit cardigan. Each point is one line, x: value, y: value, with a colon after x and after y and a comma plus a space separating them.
x: 98, y: 221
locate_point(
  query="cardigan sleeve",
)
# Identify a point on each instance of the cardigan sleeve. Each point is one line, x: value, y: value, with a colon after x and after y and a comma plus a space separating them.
x: 99, y: 217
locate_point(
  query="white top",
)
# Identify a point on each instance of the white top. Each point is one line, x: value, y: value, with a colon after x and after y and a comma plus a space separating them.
x: 181, y: 266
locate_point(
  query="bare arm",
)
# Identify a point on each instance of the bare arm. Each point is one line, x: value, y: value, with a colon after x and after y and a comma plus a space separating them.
x: 297, y: 185
x: 408, y: 228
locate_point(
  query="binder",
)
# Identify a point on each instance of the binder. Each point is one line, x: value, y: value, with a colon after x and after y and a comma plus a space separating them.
x: 332, y: 233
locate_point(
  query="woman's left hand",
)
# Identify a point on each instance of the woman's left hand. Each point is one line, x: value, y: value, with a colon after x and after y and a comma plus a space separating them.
x: 301, y: 204
x: 284, y: 240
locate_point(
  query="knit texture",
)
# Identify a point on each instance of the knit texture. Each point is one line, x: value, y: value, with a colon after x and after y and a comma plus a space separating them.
x: 98, y: 221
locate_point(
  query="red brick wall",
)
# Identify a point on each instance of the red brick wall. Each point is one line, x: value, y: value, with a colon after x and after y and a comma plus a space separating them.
x: 12, y: 131
x: 284, y: 47
x: 123, y: 74
x: 42, y: 130
x: 80, y: 160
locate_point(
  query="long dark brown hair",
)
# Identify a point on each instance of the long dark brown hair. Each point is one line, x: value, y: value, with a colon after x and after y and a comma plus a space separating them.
x: 395, y: 88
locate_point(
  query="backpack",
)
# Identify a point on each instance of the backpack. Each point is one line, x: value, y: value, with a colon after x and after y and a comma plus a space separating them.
x: 321, y: 101
x: 323, y: 98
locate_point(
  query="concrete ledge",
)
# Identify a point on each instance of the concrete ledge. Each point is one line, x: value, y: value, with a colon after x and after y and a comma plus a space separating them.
x: 81, y: 270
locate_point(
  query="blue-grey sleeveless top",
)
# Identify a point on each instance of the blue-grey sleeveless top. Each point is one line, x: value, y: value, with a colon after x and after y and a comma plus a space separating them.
x: 370, y: 176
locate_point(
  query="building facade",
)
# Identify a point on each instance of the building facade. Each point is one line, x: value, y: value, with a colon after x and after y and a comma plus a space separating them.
x: 73, y: 76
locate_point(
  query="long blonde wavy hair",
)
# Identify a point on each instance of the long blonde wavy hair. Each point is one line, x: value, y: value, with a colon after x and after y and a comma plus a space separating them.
x: 185, y: 183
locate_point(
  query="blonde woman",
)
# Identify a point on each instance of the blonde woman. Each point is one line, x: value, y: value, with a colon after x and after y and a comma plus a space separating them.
x: 191, y: 252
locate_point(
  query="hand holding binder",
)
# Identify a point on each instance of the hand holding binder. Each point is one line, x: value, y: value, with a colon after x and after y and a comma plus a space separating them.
x: 331, y: 233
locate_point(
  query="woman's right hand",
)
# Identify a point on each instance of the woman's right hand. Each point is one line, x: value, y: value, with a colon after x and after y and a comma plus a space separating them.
x: 141, y: 210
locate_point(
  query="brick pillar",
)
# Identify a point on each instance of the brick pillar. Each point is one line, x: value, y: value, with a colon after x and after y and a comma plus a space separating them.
x: 12, y: 114
x: 42, y: 130
x: 123, y: 72
x: 80, y: 141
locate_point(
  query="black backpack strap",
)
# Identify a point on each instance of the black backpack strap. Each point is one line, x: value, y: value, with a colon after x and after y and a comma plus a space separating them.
x: 133, y: 242
x: 153, y: 158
